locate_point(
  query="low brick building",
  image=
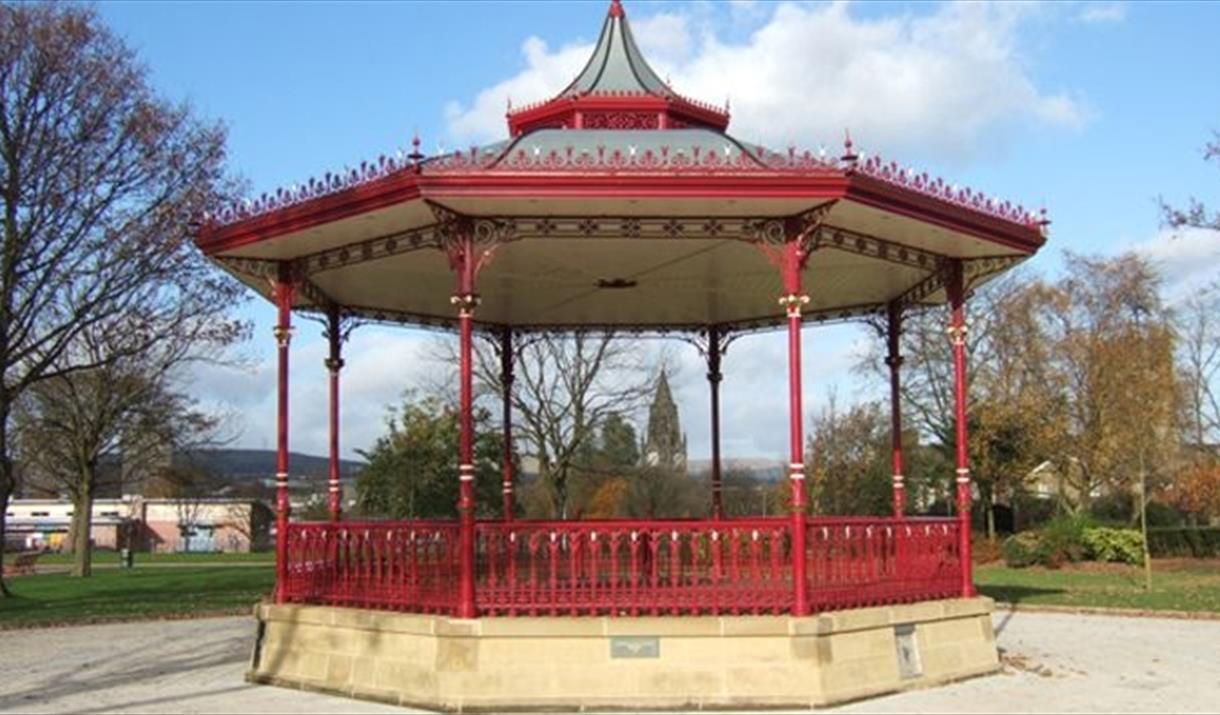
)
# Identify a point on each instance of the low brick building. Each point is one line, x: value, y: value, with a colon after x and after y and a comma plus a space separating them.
x: 157, y: 525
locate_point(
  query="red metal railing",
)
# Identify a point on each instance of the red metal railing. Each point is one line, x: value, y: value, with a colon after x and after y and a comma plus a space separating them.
x: 633, y: 568
x: 855, y: 563
x: 402, y: 566
x: 623, y: 568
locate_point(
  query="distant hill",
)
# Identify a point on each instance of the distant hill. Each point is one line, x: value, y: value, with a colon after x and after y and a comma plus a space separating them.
x: 237, y: 464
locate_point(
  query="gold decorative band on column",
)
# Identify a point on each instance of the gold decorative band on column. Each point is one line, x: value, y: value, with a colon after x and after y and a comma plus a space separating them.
x: 466, y: 303
x: 507, y: 487
x: 332, y: 364
x: 283, y: 335
x: 963, y: 475
x: 281, y: 477
x: 466, y: 472
x: 894, y: 361
x: 334, y: 487
x: 792, y: 303
x: 957, y: 334
x: 796, y: 472
x: 898, y: 479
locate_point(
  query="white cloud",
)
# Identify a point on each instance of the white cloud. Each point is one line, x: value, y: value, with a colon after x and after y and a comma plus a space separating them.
x: 1099, y: 12
x: 380, y: 364
x: 940, y: 82
x: 1188, y: 258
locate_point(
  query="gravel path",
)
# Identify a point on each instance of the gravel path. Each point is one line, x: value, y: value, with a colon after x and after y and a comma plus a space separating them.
x: 1054, y: 663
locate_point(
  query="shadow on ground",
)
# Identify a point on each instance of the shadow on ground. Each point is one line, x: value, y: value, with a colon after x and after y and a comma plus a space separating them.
x: 1014, y: 595
x: 123, y: 669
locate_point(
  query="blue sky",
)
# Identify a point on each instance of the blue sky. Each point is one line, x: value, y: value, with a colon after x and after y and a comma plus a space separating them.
x: 1091, y: 109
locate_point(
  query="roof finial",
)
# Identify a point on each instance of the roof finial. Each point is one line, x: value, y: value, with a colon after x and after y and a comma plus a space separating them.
x: 849, y: 157
x: 616, y: 8
x: 415, y: 156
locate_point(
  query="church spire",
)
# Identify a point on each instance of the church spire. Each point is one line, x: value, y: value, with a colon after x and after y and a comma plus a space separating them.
x: 665, y: 444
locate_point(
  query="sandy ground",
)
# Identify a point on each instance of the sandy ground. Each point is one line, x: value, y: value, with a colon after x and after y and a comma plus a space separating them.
x: 1054, y: 663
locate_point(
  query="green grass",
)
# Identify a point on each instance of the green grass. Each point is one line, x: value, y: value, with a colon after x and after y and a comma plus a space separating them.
x: 1181, y: 586
x: 112, y: 557
x: 114, y: 594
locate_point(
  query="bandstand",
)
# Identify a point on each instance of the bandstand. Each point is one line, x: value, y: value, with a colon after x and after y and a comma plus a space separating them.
x: 620, y: 205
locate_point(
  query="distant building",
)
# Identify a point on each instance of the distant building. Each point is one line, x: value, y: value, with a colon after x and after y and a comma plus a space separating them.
x: 664, y: 442
x: 156, y: 525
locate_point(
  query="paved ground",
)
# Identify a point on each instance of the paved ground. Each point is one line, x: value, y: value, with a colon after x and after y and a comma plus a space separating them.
x: 1055, y: 663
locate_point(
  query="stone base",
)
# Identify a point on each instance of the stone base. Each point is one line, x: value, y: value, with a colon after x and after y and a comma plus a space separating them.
x: 588, y: 663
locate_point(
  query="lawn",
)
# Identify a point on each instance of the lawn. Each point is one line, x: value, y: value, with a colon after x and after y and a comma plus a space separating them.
x: 114, y: 594
x: 112, y: 557
x: 1177, y: 585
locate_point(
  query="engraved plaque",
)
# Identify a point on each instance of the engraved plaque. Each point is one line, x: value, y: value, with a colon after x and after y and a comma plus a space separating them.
x: 635, y: 647
x: 908, y: 652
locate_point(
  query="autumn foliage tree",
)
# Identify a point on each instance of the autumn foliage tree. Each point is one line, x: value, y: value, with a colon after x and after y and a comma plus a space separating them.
x: 99, y: 181
x: 1076, y: 372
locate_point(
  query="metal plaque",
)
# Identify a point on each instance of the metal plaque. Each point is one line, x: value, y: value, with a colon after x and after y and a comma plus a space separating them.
x: 908, y: 651
x: 635, y: 647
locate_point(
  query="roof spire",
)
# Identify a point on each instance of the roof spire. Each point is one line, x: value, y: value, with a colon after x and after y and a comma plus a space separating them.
x: 849, y: 157
x: 617, y: 65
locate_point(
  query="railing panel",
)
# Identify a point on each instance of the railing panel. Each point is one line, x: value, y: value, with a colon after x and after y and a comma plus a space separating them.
x: 406, y: 566
x: 623, y: 568
x: 856, y: 563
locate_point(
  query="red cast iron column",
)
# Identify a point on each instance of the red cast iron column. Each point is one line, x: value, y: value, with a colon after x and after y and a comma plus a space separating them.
x: 334, y: 363
x: 894, y: 360
x: 957, y: 335
x: 506, y: 380
x: 284, y: 290
x: 466, y: 300
x: 713, y: 379
x: 793, y: 299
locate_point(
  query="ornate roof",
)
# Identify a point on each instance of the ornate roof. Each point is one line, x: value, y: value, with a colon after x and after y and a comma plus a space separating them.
x: 620, y: 204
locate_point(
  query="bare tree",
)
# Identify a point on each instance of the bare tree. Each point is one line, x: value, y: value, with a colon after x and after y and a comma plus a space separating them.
x: 99, y: 179
x: 565, y: 388
x: 1198, y: 327
x: 68, y: 423
x: 1195, y: 214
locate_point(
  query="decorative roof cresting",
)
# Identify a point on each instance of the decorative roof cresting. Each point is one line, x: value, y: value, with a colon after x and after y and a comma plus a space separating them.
x: 618, y: 116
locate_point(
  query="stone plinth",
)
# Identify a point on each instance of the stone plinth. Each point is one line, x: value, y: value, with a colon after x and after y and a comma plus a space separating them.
x: 497, y: 664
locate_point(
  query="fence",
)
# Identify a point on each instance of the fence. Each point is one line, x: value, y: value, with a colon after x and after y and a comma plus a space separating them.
x: 623, y: 568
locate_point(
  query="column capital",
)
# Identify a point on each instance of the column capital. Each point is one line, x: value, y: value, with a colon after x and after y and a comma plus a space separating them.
x: 465, y: 302
x: 283, y: 335
x: 792, y: 303
x: 957, y: 334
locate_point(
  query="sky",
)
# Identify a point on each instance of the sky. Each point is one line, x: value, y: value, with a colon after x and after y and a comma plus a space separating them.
x: 1094, y: 110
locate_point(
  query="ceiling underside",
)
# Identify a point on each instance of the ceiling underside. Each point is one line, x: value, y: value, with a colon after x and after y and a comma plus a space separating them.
x: 617, y: 264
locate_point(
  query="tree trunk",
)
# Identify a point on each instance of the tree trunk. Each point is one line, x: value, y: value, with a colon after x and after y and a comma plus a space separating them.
x: 5, y: 491
x: 988, y: 501
x: 82, y: 527
x: 561, y: 494
x: 8, y: 482
x: 1144, y: 523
